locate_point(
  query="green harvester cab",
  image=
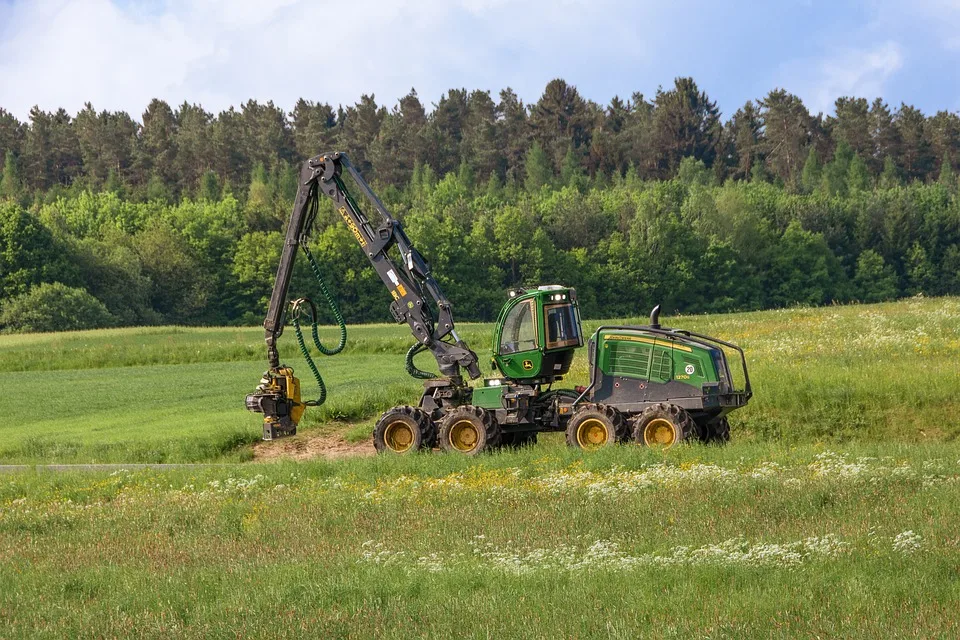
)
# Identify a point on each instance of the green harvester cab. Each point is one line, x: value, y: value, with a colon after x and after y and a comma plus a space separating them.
x: 538, y: 331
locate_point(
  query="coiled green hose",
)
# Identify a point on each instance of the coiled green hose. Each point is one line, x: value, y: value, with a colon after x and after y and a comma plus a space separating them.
x: 296, y: 308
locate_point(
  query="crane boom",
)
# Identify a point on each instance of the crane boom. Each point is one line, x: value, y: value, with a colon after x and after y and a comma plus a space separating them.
x: 410, y: 283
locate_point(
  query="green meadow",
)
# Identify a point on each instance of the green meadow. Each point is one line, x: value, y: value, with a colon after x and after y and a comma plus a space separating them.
x: 832, y: 512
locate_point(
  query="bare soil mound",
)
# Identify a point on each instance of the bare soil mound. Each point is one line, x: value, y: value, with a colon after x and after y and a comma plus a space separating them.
x: 327, y: 443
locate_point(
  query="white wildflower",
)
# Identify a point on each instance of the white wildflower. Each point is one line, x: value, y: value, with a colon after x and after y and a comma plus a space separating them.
x: 907, y: 542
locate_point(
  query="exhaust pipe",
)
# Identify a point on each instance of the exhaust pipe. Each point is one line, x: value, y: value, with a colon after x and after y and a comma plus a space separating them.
x: 655, y: 318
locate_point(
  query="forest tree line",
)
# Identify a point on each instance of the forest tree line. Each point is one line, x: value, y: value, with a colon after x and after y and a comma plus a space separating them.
x: 177, y: 218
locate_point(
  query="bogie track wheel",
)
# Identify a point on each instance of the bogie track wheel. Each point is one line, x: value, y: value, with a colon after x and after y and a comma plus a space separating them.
x: 718, y: 431
x: 595, y: 425
x: 663, y: 425
x: 469, y: 430
x: 403, y: 429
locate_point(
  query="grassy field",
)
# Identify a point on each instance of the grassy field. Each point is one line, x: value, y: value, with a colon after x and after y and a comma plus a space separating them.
x: 836, y: 374
x: 831, y: 513
x: 747, y: 541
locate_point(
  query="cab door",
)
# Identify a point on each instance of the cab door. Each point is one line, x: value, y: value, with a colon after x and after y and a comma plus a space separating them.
x: 518, y: 352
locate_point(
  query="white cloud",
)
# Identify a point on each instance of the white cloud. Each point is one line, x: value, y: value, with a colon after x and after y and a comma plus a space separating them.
x: 119, y: 54
x: 221, y: 52
x: 851, y: 72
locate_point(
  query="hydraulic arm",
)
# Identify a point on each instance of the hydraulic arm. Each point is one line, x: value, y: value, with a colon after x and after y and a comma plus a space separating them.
x: 409, y: 282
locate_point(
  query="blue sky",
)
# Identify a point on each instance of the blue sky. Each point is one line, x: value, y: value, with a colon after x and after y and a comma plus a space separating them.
x: 119, y: 55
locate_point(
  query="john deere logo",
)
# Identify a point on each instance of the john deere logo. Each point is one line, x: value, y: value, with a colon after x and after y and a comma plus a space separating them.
x: 528, y: 365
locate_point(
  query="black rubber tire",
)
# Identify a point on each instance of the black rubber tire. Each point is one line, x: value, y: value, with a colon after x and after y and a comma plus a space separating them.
x: 486, y: 427
x: 718, y: 431
x: 684, y: 428
x: 421, y: 430
x: 611, y: 419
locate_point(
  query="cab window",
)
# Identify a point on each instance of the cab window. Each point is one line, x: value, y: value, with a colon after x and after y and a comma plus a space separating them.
x: 519, y: 329
x: 563, y: 329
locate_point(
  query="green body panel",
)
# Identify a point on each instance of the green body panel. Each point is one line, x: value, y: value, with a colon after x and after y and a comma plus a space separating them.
x: 488, y: 397
x: 521, y: 365
x: 524, y: 346
x: 644, y: 356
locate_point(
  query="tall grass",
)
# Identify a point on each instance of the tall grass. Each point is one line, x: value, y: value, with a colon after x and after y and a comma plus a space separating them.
x: 749, y: 541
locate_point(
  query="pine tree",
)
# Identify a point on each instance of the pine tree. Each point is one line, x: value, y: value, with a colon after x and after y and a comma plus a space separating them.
x: 949, y: 271
x: 481, y: 145
x: 538, y: 169
x: 601, y: 179
x: 157, y: 190
x: 637, y: 137
x: 428, y: 180
x: 890, y: 177
x: 812, y: 171
x: 267, y: 137
x: 513, y: 134
x: 835, y: 173
x: 400, y: 142
x: 413, y: 186
x: 560, y: 120
x: 259, y: 205
x: 744, y: 140
x: 467, y: 177
x: 360, y: 126
x: 788, y: 129
x: 921, y: 277
x: 157, y: 150
x: 942, y: 131
x: 447, y: 122
x: 758, y: 173
x: 915, y: 160
x: 685, y: 123
x: 571, y: 172
x: 858, y: 175
x: 607, y: 153
x: 113, y: 184
x: 314, y: 128
x: 194, y: 145
x: 209, y: 186
x: 852, y: 124
x: 10, y: 185
x: 12, y: 133
x: 285, y: 182
x: 494, y: 188
x: 875, y: 280
x: 946, y: 173
x: 884, y: 135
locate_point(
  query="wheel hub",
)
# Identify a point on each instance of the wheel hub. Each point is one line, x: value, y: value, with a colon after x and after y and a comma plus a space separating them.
x: 398, y: 436
x: 591, y: 433
x: 660, y: 432
x: 464, y: 435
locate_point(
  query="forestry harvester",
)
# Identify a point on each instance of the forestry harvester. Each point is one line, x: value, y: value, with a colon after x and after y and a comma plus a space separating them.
x: 656, y: 385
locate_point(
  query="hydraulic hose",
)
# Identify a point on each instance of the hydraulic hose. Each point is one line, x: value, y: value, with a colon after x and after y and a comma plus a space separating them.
x: 412, y: 368
x: 296, y: 308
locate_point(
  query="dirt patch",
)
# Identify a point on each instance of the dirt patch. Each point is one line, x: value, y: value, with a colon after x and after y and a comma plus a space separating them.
x: 327, y: 443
